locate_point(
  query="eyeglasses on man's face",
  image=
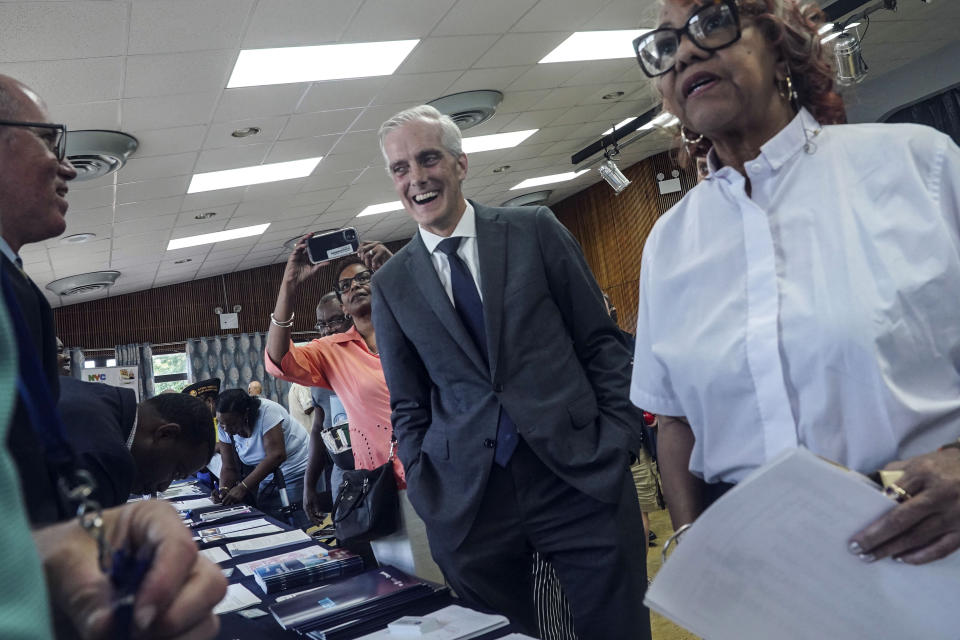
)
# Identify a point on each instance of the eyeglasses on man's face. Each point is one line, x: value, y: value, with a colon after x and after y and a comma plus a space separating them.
x: 333, y: 323
x: 361, y: 278
x: 711, y: 27
x: 53, y: 135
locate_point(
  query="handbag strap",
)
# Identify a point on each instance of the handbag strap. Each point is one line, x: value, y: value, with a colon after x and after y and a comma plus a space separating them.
x: 364, y: 488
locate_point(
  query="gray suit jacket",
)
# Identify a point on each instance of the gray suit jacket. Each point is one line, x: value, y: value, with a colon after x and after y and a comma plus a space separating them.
x: 557, y: 366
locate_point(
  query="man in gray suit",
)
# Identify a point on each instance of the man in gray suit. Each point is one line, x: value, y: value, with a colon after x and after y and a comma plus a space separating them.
x: 508, y: 395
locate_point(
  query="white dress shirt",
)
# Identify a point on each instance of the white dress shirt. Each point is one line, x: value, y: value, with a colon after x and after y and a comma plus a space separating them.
x: 466, y: 229
x: 823, y: 311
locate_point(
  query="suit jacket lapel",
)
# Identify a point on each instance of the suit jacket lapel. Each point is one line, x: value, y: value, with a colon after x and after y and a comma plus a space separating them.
x: 425, y: 275
x: 492, y: 249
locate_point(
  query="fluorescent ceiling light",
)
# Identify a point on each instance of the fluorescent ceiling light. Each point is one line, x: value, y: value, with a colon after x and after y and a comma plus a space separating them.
x: 385, y: 207
x: 596, y: 45
x: 89, y: 364
x: 832, y: 36
x: 219, y: 236
x: 665, y: 119
x: 557, y: 177
x: 111, y: 362
x: 258, y: 67
x: 619, y: 125
x: 252, y: 175
x: 852, y: 25
x: 827, y: 28
x: 496, y: 141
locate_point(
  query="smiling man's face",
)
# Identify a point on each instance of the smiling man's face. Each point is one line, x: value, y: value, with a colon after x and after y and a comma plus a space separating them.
x: 426, y: 176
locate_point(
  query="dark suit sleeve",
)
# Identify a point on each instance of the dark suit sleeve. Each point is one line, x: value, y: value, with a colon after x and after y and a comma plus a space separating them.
x: 596, y: 340
x: 407, y: 379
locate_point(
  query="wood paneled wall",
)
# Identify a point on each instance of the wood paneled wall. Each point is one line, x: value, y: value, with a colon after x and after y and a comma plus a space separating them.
x: 185, y: 310
x: 611, y: 229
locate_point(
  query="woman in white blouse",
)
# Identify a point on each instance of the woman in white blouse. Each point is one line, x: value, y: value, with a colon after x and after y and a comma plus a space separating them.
x: 805, y: 293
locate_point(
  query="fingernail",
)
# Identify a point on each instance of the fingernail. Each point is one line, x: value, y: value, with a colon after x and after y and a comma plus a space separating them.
x: 144, y: 616
x: 855, y: 547
x: 94, y: 622
x: 867, y: 557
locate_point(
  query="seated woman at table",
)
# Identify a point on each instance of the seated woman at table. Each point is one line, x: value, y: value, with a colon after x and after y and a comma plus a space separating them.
x: 263, y: 435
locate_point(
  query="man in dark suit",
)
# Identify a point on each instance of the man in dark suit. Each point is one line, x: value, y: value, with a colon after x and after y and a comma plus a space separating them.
x: 33, y: 185
x: 508, y: 395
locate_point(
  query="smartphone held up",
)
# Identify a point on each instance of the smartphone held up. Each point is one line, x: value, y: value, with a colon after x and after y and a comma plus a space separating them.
x: 330, y: 245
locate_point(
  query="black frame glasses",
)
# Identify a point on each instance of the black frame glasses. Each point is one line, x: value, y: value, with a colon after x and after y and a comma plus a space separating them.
x: 363, y: 277
x: 336, y: 321
x: 58, y: 144
x: 693, y: 29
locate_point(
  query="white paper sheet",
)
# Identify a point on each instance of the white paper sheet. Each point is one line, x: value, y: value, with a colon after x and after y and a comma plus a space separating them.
x: 234, y: 526
x: 454, y: 623
x: 197, y: 503
x: 215, y: 554
x: 238, y: 597
x: 770, y: 560
x: 242, y: 533
x: 267, y: 542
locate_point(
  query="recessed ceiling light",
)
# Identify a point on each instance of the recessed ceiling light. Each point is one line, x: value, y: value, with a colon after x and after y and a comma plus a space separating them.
x: 77, y: 238
x: 613, y: 95
x: 595, y: 45
x: 501, y: 168
x: 476, y: 144
x: 219, y: 236
x: 206, y: 215
x: 183, y: 261
x: 252, y: 175
x: 619, y: 125
x: 557, y: 177
x: 258, y: 67
x: 384, y: 207
x: 246, y: 132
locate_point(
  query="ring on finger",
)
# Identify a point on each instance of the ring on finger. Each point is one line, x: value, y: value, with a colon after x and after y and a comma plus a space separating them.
x: 895, y: 491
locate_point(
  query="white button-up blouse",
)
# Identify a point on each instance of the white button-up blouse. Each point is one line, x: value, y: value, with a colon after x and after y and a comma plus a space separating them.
x: 822, y: 311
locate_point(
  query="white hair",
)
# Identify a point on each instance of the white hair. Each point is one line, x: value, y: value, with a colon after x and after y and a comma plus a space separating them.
x: 450, y: 136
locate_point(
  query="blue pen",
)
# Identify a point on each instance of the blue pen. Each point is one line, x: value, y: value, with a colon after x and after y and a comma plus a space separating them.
x: 126, y: 574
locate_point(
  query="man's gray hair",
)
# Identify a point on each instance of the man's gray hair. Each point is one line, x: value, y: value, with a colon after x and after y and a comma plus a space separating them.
x: 450, y: 136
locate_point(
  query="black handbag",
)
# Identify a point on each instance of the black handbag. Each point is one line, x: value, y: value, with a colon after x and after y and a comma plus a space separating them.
x: 368, y: 505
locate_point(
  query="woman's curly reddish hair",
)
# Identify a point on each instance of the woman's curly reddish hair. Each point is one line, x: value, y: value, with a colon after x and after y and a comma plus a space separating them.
x: 791, y: 27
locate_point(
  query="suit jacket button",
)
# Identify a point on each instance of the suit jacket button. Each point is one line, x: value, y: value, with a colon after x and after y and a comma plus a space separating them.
x: 498, y: 387
x: 489, y: 443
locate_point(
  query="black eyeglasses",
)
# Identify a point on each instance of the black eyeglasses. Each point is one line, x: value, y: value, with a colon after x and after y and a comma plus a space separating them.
x: 54, y: 135
x: 711, y: 27
x: 361, y: 278
x: 332, y: 323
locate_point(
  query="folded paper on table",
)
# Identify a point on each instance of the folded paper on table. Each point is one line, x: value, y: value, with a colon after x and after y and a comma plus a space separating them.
x: 770, y: 560
x: 267, y: 542
x: 238, y: 597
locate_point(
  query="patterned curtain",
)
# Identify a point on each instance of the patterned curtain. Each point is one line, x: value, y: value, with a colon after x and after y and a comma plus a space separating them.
x: 941, y: 111
x: 140, y: 356
x: 236, y: 360
x: 76, y: 362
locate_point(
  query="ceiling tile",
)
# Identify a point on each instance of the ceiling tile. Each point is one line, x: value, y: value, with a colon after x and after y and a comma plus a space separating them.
x: 151, y: 189
x: 221, y: 159
x: 535, y: 119
x: 516, y: 101
x: 148, y: 208
x: 171, y: 73
x: 417, y: 87
x: 246, y: 103
x: 157, y: 223
x: 292, y: 23
x: 607, y: 72
x: 160, y: 112
x: 157, y: 167
x: 70, y: 81
x: 91, y: 198
x: 161, y: 142
x: 76, y: 30
x: 447, y: 54
x: 209, y: 200
x: 319, y: 123
x: 498, y: 79
x: 300, y: 148
x: 389, y: 20
x: 557, y: 15
x: 220, y: 135
x: 188, y: 218
x: 341, y: 94
x: 624, y: 14
x: 89, y: 115
x: 546, y: 76
x: 159, y: 26
x: 489, y: 16
x: 521, y: 49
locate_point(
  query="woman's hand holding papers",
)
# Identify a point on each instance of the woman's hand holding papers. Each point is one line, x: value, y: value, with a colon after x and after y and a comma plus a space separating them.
x: 926, y: 525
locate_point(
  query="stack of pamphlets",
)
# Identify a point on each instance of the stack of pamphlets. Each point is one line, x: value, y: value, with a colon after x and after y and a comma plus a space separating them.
x: 300, y: 572
x: 358, y: 604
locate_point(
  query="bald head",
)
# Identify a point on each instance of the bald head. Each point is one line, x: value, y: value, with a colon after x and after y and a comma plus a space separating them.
x: 14, y: 95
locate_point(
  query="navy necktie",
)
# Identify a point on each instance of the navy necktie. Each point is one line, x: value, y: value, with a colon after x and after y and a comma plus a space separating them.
x: 466, y: 301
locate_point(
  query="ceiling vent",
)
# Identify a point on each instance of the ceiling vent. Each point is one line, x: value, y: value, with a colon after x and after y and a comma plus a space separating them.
x: 528, y: 199
x: 469, y: 108
x: 95, y: 153
x: 83, y: 283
